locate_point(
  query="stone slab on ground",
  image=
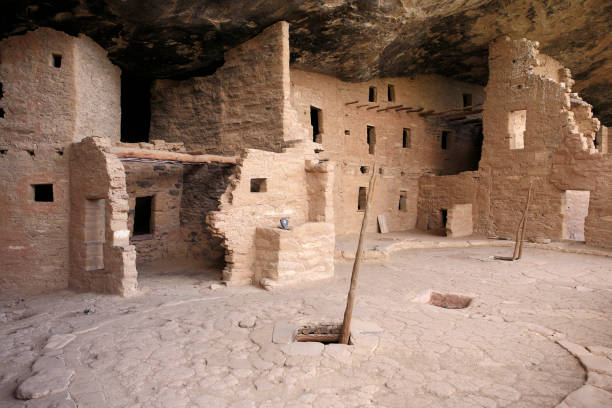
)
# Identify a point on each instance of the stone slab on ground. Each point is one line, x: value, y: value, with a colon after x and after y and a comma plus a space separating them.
x: 588, y: 396
x: 283, y: 333
x: 45, y: 383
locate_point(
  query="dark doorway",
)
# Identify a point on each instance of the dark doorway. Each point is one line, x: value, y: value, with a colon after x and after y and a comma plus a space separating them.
x: 444, y: 140
x: 362, y: 199
x: 467, y: 100
x: 316, y: 122
x: 142, y: 215
x: 444, y: 213
x: 135, y: 108
x: 43, y: 193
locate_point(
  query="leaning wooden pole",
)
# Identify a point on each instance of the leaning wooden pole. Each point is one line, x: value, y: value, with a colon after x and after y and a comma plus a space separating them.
x: 520, y: 230
x: 350, y: 301
x: 520, y: 252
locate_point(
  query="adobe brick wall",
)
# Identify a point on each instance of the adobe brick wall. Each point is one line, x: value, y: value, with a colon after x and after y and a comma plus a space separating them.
x: 304, y: 253
x: 559, y: 153
x: 241, y: 211
x: 44, y: 112
x: 401, y: 167
x: 242, y: 105
x: 97, y: 174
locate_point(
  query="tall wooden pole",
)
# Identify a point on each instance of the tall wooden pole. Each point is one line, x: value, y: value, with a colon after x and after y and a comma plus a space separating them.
x: 350, y: 301
x: 520, y: 253
x: 521, y: 228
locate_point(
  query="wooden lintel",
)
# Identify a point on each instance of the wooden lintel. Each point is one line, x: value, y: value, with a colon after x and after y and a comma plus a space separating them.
x: 404, y: 108
x: 361, y: 106
x: 129, y: 152
x: 351, y: 103
x: 373, y: 107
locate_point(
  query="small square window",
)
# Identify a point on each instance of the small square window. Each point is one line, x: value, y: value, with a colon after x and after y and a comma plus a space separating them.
x: 43, y: 193
x: 57, y: 60
x: 467, y: 100
x: 259, y: 185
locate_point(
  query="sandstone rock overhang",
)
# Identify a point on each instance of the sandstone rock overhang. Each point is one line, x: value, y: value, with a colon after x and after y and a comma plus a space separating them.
x: 352, y: 40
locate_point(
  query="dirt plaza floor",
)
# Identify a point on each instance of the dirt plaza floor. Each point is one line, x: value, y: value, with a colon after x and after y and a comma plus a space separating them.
x: 535, y: 332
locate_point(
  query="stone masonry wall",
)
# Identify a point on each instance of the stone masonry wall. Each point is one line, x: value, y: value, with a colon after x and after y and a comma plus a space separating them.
x: 40, y: 73
x: 242, y: 105
x: 304, y: 253
x: 97, y: 175
x: 344, y: 140
x: 242, y: 211
x: 163, y: 182
x: 556, y: 152
x: 202, y: 189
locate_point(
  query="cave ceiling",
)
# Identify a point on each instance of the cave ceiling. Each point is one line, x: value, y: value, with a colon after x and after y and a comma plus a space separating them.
x: 354, y: 40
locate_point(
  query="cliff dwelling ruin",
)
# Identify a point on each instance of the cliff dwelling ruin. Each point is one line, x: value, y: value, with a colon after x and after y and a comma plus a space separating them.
x: 148, y: 157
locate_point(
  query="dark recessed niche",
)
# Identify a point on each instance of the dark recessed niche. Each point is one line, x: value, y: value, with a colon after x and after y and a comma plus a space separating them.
x: 142, y: 215
x: 3, y: 151
x: 1, y: 91
x: 372, y: 94
x: 362, y: 199
x: 60, y: 152
x: 364, y: 169
x: 347, y: 132
x: 57, y: 60
x: 1, y: 112
x: 43, y: 192
x: 259, y: 185
x: 31, y: 153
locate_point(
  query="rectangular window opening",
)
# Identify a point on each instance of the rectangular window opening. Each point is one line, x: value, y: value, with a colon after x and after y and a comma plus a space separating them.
x: 364, y: 169
x: 406, y: 142
x: 517, y: 121
x: 142, y: 215
x: 316, y: 123
x: 372, y: 94
x: 467, y: 100
x: 371, y: 139
x: 444, y: 140
x: 402, y: 201
x: 362, y: 199
x: 43, y: 193
x: 57, y: 60
x: 259, y: 185
x: 390, y: 93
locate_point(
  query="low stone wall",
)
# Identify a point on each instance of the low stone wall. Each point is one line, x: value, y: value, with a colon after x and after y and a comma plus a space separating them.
x: 304, y: 253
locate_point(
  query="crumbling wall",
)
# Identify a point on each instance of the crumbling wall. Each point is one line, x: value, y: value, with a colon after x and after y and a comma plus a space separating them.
x: 203, y: 186
x: 558, y: 154
x: 97, y: 181
x: 242, y: 105
x: 345, y: 115
x: 42, y: 114
x: 250, y: 202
